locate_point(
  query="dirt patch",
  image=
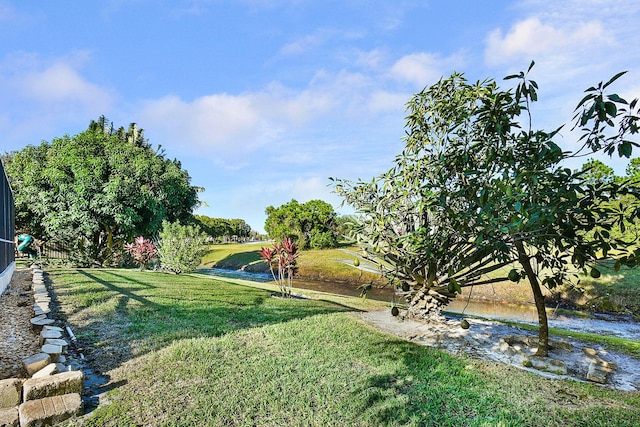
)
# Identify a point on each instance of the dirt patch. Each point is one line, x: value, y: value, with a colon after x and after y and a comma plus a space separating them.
x: 497, y: 342
x: 17, y: 340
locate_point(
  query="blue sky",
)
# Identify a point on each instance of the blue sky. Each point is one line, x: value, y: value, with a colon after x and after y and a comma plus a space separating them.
x: 263, y: 100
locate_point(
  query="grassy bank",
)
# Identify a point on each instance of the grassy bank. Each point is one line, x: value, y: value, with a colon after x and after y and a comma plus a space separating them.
x: 615, y: 292
x: 334, y: 265
x: 192, y: 350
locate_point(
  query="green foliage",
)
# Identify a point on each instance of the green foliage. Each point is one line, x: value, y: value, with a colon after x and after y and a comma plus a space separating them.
x: 474, y: 189
x: 224, y: 229
x: 313, y: 221
x: 180, y: 247
x: 597, y: 173
x: 142, y: 251
x: 282, y: 257
x: 97, y: 190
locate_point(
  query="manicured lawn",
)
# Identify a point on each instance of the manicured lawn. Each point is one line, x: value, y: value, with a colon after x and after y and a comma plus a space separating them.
x: 197, y: 351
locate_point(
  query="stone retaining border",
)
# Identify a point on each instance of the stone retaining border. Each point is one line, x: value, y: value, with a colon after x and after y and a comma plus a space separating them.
x: 53, y: 392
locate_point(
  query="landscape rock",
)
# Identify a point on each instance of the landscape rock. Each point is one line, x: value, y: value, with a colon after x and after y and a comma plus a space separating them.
x: 48, y: 334
x: 10, y: 392
x: 59, y: 342
x: 50, y: 410
x: 54, y: 385
x: 52, y: 350
x: 596, y: 374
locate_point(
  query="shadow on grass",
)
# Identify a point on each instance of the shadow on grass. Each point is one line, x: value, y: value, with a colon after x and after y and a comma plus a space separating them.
x: 238, y: 260
x: 143, y: 312
x: 431, y: 387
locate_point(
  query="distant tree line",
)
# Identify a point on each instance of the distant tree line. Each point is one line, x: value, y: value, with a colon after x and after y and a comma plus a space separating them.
x: 225, y: 230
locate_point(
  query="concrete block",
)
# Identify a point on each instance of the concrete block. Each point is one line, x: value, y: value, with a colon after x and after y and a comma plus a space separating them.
x: 10, y: 392
x: 50, y: 410
x: 36, y: 362
x: 9, y: 417
x: 54, y: 385
x: 47, y: 371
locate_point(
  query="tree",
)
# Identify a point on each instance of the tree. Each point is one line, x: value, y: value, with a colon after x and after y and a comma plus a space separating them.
x: 180, y: 247
x: 597, y: 172
x: 312, y: 224
x: 476, y: 188
x: 224, y: 229
x: 633, y: 169
x: 98, y: 189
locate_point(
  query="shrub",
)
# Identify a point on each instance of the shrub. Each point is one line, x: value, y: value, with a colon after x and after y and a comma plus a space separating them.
x: 323, y: 240
x: 142, y: 251
x: 181, y: 247
x: 283, y: 258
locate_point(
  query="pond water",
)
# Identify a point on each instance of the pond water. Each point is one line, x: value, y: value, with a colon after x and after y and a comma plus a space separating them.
x: 623, y: 328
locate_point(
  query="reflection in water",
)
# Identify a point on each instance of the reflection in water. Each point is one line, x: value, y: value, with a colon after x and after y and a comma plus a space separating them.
x: 492, y: 310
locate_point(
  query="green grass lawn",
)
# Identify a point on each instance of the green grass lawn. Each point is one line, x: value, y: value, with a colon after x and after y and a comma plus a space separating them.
x: 197, y: 351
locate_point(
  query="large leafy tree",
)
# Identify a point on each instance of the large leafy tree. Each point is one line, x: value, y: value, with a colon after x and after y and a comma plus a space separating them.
x: 476, y: 188
x: 98, y: 189
x: 312, y: 224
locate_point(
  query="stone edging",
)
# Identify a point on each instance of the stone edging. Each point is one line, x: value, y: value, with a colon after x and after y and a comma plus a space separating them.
x: 52, y: 393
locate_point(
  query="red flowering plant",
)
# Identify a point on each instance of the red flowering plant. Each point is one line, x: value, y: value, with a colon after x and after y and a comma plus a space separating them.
x: 142, y: 251
x: 282, y: 257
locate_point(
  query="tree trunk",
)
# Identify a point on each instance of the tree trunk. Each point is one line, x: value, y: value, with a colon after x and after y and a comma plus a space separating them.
x: 543, y: 332
x: 425, y: 304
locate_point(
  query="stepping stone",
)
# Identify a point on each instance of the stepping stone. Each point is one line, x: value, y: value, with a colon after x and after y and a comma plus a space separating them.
x: 36, y: 362
x: 57, y: 341
x: 50, y: 410
x: 52, y: 328
x: 54, y: 351
x: 47, y: 371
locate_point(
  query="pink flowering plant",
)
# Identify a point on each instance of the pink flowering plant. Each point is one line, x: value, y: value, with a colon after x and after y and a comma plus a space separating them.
x: 282, y: 257
x: 142, y: 251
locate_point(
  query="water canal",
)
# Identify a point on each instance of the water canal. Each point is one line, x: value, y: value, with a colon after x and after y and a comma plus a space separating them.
x: 522, y: 313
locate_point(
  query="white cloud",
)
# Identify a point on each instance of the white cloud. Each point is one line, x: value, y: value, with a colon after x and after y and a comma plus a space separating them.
x: 531, y: 38
x: 61, y: 83
x: 422, y: 69
x: 301, y: 45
